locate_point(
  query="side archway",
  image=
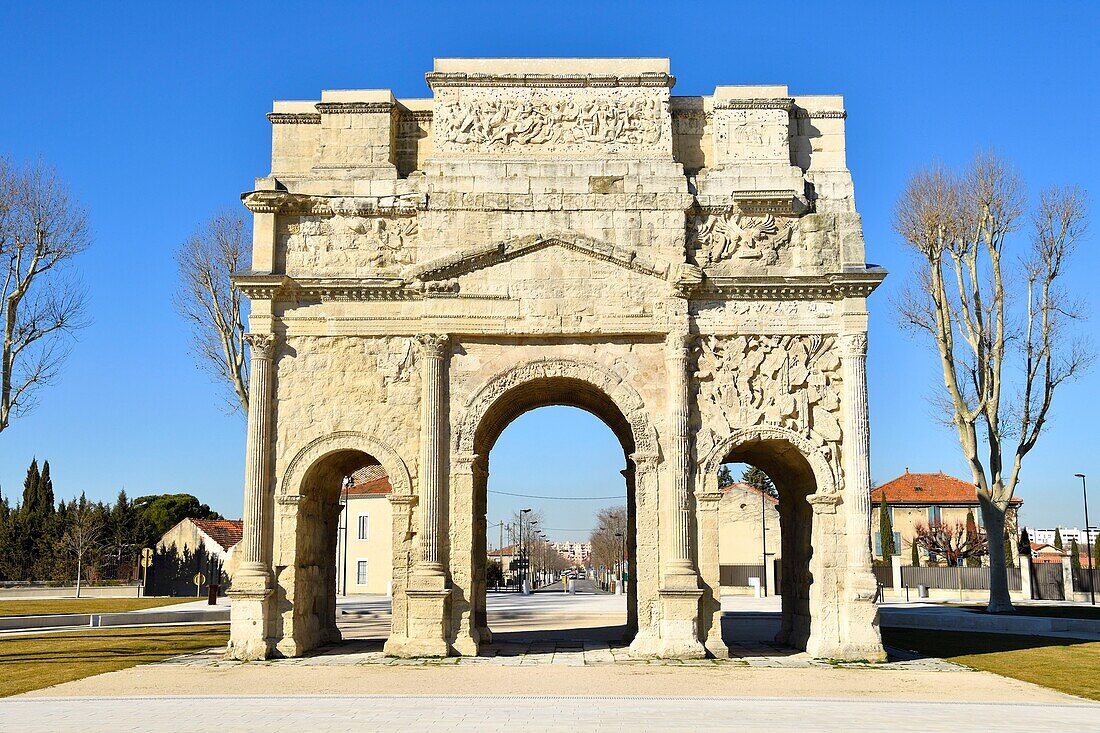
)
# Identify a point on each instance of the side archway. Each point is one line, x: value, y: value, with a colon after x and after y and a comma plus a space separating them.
x: 809, y: 488
x: 307, y: 526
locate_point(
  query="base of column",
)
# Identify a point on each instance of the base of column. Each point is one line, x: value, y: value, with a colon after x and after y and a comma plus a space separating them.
x: 248, y: 640
x: 427, y: 636
x: 717, y: 648
x: 679, y: 625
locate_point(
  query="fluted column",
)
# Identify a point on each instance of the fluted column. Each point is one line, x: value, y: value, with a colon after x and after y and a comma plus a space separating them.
x: 253, y: 569
x: 857, y: 478
x: 433, y: 354
x: 677, y: 355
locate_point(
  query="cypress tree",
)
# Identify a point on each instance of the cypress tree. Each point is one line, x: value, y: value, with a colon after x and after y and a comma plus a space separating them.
x: 45, y: 490
x: 885, y: 530
x: 1058, y: 539
x: 915, y: 559
x: 30, y: 488
x: 1074, y: 555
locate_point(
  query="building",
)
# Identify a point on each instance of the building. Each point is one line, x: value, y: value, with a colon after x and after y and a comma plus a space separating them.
x: 915, y: 499
x: 194, y: 546
x: 576, y: 554
x: 690, y: 269
x: 364, y: 559
x: 218, y: 538
x: 504, y: 557
x: 1068, y: 534
x: 1042, y: 553
x: 747, y: 518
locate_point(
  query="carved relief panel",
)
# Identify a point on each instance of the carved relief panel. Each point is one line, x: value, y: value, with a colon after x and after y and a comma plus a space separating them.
x: 733, y: 243
x: 349, y: 238
x: 534, y: 121
x: 792, y: 382
x: 751, y: 135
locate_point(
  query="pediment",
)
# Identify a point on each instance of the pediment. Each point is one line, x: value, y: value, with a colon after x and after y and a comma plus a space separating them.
x: 497, y: 253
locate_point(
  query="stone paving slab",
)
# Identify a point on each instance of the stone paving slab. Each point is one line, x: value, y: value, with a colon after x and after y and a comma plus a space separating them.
x: 327, y: 713
x: 568, y: 655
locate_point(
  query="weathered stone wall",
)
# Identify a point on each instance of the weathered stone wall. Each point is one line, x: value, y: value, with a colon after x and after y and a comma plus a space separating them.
x: 689, y: 269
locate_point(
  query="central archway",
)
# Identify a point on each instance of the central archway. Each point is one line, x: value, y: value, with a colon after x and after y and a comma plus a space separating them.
x: 583, y: 385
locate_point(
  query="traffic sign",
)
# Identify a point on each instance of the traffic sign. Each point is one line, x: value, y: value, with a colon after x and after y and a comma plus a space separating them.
x: 198, y: 580
x: 147, y: 557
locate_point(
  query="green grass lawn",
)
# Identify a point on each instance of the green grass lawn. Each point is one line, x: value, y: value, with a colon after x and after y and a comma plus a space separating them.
x: 1084, y: 612
x: 44, y: 606
x: 1067, y: 665
x: 33, y: 662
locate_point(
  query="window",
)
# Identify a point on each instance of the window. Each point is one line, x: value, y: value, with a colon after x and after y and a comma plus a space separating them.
x: 364, y: 526
x: 361, y: 572
x: 878, y: 544
x: 934, y: 514
x: 897, y: 542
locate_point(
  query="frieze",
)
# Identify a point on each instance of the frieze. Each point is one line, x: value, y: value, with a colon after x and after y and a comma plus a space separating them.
x: 550, y: 122
x: 789, y: 382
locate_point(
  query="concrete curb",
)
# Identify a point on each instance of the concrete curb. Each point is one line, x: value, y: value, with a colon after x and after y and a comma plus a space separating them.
x: 97, y: 620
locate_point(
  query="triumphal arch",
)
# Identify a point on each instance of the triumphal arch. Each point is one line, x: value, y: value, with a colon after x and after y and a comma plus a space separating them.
x: 539, y: 232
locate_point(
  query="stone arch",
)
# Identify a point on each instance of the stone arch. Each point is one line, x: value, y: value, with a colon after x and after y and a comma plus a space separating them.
x: 307, y: 519
x: 810, y: 448
x: 318, y: 448
x: 809, y: 492
x: 643, y: 436
x: 490, y: 409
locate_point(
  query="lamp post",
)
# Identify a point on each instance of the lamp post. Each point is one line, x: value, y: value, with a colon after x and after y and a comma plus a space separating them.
x: 764, y: 542
x: 525, y: 561
x: 619, y: 560
x: 346, y: 484
x: 1088, y: 543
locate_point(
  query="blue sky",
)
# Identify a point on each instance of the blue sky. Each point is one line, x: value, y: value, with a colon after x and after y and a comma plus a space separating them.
x: 155, y: 115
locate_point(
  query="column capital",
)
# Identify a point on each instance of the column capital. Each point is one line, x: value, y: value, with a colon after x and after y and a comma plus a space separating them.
x: 262, y: 344
x: 434, y: 345
x: 854, y: 344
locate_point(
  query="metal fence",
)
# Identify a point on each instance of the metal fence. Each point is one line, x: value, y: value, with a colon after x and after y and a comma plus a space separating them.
x: 1085, y: 580
x: 951, y: 578
x: 884, y: 575
x: 737, y: 576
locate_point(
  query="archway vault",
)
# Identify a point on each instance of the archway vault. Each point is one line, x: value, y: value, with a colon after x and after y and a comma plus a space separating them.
x: 500, y: 400
x: 345, y: 440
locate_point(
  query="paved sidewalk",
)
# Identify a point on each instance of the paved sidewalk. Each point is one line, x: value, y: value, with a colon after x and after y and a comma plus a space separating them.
x: 485, y: 714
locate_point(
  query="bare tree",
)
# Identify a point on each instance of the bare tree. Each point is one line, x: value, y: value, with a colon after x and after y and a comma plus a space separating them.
x: 210, y: 303
x: 986, y: 310
x: 952, y: 542
x: 82, y: 536
x: 41, y: 231
x: 608, y: 538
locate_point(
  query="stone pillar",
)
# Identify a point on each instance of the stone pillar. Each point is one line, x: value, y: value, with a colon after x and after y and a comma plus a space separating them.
x: 860, y: 635
x: 1025, y: 578
x: 252, y: 583
x: 707, y: 503
x: 1067, y: 578
x: 428, y: 593
x: 680, y: 590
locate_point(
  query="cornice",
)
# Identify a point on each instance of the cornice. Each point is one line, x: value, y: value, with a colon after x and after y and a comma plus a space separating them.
x: 784, y: 103
x: 345, y: 108
x: 833, y: 286
x: 788, y: 203
x: 439, y: 80
x: 294, y: 118
x: 823, y: 114
x: 284, y: 202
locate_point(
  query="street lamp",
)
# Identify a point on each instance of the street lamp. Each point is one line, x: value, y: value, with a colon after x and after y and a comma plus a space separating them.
x: 1088, y: 541
x: 622, y: 551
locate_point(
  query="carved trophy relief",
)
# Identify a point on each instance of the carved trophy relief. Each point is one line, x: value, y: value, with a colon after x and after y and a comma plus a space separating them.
x: 396, y: 363
x: 736, y: 242
x: 551, y: 122
x: 790, y: 382
x: 738, y: 237
x: 349, y: 243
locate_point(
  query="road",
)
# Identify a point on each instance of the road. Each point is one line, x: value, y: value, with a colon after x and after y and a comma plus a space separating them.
x: 323, y: 713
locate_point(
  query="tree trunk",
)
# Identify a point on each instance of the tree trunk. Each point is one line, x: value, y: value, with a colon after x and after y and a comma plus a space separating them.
x: 78, y: 571
x: 994, y: 518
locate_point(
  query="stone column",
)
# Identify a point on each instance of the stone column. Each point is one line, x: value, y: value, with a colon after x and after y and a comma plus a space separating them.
x: 860, y: 638
x: 428, y: 595
x: 680, y: 590
x: 857, y: 479
x: 679, y: 455
x: 252, y: 583
x: 433, y: 353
